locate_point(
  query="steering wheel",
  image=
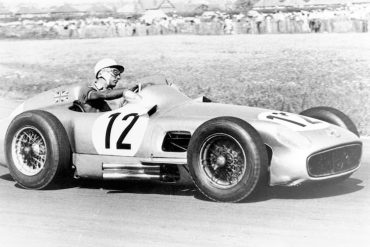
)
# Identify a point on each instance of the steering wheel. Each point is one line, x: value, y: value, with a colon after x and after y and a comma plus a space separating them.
x: 137, y: 88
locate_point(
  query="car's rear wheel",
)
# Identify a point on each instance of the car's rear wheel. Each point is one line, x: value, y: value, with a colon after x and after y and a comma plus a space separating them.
x: 37, y: 149
x: 227, y: 159
x: 331, y: 115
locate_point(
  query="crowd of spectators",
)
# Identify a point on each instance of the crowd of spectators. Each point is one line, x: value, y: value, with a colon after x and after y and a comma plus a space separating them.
x: 346, y: 19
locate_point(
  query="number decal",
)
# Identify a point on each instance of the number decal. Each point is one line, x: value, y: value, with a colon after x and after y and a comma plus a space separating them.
x: 109, y: 129
x: 284, y: 119
x: 120, y: 133
x: 292, y: 121
x: 119, y: 144
x: 309, y: 120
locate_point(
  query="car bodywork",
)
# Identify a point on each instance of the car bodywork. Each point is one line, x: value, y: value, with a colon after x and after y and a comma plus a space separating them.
x: 144, y: 139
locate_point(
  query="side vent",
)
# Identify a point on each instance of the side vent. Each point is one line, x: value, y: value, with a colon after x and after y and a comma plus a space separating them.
x: 176, y: 141
x: 269, y: 153
x: 206, y: 100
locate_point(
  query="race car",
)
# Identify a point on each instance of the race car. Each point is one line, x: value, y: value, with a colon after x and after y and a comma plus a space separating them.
x: 227, y: 151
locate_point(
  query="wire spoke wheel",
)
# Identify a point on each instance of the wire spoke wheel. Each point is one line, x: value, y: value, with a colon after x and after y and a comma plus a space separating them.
x: 29, y: 151
x: 37, y: 149
x: 223, y: 160
x: 227, y: 159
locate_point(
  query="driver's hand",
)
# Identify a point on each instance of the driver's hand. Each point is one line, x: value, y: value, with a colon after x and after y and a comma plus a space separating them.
x: 137, y: 88
x: 131, y: 96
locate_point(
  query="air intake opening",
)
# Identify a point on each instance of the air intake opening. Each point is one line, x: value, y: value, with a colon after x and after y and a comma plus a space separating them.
x: 176, y: 141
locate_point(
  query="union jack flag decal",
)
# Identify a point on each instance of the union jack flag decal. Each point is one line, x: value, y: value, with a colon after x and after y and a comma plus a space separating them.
x: 61, y: 96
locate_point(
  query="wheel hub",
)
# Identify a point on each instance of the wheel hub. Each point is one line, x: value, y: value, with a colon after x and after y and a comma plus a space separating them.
x: 223, y: 160
x: 29, y: 151
x: 26, y: 150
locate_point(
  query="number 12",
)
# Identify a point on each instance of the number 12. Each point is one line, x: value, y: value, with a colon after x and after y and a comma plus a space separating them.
x: 120, y: 144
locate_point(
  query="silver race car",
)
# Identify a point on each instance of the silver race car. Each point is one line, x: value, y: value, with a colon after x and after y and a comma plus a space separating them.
x: 228, y: 151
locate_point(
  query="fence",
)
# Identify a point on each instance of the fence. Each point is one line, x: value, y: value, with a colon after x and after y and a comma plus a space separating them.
x: 215, y: 26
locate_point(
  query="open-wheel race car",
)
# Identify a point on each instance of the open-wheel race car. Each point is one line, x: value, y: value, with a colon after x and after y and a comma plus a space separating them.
x: 228, y: 151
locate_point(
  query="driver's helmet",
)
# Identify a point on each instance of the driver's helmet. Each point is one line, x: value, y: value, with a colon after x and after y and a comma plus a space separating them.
x: 106, y: 63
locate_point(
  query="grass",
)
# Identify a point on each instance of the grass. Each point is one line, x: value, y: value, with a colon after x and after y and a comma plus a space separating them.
x: 285, y: 72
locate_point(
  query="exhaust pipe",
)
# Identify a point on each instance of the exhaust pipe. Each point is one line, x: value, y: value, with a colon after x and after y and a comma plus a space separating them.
x: 129, y: 166
x: 131, y: 171
x: 131, y: 176
x: 138, y: 171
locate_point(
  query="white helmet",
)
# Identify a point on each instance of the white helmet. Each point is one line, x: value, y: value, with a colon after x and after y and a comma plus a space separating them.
x: 107, y: 63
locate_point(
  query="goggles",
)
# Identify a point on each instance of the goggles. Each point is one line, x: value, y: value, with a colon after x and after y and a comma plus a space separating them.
x: 115, y: 72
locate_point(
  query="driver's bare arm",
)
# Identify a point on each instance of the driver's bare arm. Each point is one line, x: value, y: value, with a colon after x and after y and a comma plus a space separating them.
x: 107, y: 94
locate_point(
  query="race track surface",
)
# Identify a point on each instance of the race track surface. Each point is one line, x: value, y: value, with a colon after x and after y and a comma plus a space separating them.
x: 97, y: 213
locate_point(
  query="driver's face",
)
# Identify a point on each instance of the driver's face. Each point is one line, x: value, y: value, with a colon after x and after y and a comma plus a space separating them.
x: 113, y: 77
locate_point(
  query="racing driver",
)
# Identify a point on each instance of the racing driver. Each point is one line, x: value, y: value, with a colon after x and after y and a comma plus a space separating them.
x: 108, y: 73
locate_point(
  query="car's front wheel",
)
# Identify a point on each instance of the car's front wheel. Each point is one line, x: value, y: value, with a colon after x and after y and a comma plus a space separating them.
x: 37, y: 149
x: 331, y: 115
x: 227, y: 159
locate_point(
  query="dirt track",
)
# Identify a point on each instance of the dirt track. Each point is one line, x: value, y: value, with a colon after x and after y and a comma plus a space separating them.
x: 93, y: 213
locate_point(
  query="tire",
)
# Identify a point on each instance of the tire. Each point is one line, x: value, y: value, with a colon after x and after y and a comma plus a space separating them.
x: 220, y: 142
x: 331, y: 115
x: 37, y: 163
